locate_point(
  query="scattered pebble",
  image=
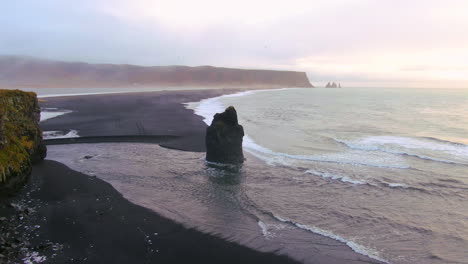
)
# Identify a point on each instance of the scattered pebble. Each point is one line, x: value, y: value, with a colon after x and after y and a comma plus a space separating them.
x: 18, y: 229
x: 32, y: 258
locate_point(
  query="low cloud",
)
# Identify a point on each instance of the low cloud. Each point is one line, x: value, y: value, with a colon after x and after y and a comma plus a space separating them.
x: 387, y: 41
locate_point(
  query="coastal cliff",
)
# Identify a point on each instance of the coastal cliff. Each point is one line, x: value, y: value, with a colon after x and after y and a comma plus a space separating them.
x: 23, y: 72
x: 21, y: 142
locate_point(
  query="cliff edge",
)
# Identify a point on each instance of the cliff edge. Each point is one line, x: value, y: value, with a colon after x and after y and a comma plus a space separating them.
x: 21, y: 142
x: 24, y: 72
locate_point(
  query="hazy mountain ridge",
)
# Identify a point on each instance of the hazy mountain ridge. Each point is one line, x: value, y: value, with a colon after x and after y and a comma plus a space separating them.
x: 17, y: 72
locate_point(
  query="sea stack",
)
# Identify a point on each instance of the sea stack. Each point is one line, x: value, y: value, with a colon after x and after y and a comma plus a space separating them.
x: 224, y: 138
x: 332, y: 85
x: 21, y: 142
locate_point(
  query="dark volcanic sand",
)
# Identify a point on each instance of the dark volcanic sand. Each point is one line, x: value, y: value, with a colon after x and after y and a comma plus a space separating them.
x: 134, y: 114
x: 95, y: 224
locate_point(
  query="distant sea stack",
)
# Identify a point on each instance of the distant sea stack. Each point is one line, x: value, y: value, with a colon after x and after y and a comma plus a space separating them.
x: 224, y: 138
x: 25, y: 72
x: 333, y: 85
x: 21, y: 142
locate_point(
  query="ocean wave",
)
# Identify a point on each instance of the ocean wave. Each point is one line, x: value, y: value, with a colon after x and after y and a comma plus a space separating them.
x: 408, y: 146
x: 347, y: 179
x: 46, y: 113
x: 342, y: 178
x: 272, y: 157
x: 445, y: 141
x: 397, y: 185
x: 207, y: 108
x: 353, y: 245
x: 59, y: 134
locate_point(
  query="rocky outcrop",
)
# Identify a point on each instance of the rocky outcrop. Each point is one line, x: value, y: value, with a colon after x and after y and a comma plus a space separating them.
x: 21, y: 142
x: 224, y: 138
x: 22, y: 72
x: 333, y: 85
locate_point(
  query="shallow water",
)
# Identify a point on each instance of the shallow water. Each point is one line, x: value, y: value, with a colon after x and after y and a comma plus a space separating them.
x: 210, y: 198
x: 394, y: 161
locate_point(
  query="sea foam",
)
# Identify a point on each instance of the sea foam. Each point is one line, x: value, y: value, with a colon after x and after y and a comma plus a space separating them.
x: 49, y: 113
x: 456, y: 152
x: 207, y: 108
x: 59, y: 134
x: 342, y: 178
x: 348, y: 179
x: 266, y: 233
x: 353, y: 245
x: 46, y: 114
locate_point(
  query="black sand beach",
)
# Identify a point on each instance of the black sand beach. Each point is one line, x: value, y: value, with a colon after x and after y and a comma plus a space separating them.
x: 93, y: 223
x: 135, y: 114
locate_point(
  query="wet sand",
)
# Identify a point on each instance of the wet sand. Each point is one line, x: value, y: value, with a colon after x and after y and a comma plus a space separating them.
x: 93, y: 223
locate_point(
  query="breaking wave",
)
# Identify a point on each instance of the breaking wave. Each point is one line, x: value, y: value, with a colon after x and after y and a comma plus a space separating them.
x: 60, y: 134
x: 49, y: 113
x: 452, y: 152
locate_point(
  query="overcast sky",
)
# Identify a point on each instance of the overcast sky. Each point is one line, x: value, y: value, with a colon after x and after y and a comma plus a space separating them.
x: 358, y: 42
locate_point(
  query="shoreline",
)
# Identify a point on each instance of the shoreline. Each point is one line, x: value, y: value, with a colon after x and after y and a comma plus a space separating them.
x: 181, y: 205
x: 102, y: 116
x: 82, y: 219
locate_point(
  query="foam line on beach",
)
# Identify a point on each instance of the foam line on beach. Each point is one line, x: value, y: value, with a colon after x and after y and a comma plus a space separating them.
x: 351, y: 244
x: 59, y: 134
x: 347, y: 179
x: 339, y: 158
x: 46, y: 115
x: 206, y: 108
x: 342, y: 178
x: 267, y: 234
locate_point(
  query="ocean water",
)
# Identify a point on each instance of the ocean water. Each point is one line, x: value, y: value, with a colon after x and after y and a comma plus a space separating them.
x: 381, y: 172
x: 394, y: 164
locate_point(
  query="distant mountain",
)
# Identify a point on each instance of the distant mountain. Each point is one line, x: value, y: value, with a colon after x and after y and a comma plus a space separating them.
x: 22, y: 72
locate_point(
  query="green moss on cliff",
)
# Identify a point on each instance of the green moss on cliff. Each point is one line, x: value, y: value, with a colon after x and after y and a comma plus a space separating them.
x: 20, y: 135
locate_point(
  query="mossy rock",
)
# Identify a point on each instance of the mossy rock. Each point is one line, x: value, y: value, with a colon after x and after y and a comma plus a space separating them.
x: 21, y: 141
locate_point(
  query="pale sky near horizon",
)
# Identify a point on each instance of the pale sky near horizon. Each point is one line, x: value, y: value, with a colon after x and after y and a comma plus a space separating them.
x: 412, y: 43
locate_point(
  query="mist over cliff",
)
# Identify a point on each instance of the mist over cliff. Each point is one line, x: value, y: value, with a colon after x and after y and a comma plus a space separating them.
x: 22, y: 72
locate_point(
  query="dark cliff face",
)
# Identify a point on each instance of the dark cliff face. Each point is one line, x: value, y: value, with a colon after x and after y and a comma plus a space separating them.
x: 23, y: 72
x: 21, y: 141
x: 224, y: 138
